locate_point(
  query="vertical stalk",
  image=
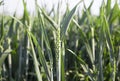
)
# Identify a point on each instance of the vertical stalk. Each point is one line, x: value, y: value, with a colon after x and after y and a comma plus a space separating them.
x: 113, y: 63
x: 4, y: 71
x: 58, y: 54
x: 2, y: 27
x: 101, y: 47
x: 20, y: 62
x: 93, y: 47
x: 27, y: 58
x: 10, y: 67
x: 10, y: 62
x: 1, y: 36
x: 58, y: 46
x: 100, y: 77
x: 118, y: 59
x: 27, y: 53
x: 93, y: 44
x: 27, y: 41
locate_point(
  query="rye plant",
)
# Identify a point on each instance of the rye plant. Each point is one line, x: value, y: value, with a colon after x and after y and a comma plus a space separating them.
x: 55, y: 46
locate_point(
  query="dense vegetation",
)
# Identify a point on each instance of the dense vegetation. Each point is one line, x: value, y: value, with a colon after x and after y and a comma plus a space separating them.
x: 51, y: 46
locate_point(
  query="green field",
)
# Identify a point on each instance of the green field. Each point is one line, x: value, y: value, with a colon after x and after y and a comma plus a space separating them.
x: 54, y: 46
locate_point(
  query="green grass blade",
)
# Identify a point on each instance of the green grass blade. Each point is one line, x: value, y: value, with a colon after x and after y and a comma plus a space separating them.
x: 85, y: 40
x: 115, y: 13
x: 41, y: 56
x: 18, y: 21
x: 11, y: 29
x: 66, y: 21
x: 49, y: 51
x: 25, y: 15
x: 110, y: 49
x: 52, y: 22
x: 108, y: 7
x: 44, y: 38
x: 2, y: 29
x: 38, y: 74
x: 80, y: 60
x: 3, y: 57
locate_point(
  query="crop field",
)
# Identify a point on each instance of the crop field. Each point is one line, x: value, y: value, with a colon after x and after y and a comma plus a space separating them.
x: 54, y: 46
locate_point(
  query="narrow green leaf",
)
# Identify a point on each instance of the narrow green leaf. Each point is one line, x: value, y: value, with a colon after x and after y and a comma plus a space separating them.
x: 52, y: 22
x: 84, y: 39
x: 108, y: 7
x: 88, y: 13
x: 3, y: 57
x: 36, y: 65
x: 17, y: 20
x: 80, y: 60
x: 66, y: 21
x: 107, y: 32
x: 114, y: 13
x: 89, y: 8
x: 2, y: 30
x: 41, y: 56
x: 11, y: 30
x: 25, y: 15
x: 110, y: 49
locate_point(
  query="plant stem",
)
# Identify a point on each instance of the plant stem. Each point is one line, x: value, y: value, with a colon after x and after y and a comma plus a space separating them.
x: 58, y: 54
